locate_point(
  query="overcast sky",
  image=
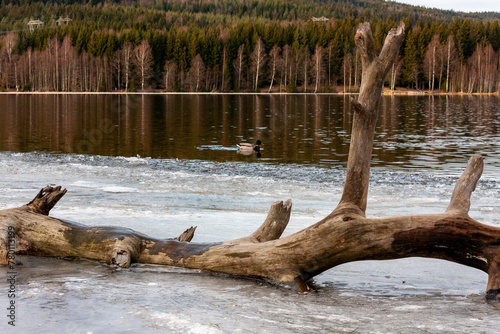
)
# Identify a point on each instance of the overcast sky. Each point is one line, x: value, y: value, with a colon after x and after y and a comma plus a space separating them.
x: 458, y: 5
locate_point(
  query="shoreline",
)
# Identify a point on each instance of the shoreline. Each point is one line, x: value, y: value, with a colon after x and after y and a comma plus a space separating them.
x: 385, y: 93
x: 168, y: 93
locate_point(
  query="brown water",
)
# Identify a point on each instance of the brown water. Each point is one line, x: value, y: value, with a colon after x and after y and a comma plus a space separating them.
x: 421, y: 146
x: 423, y: 131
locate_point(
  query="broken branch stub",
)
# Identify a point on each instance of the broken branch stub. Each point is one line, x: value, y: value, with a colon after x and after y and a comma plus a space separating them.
x: 46, y: 199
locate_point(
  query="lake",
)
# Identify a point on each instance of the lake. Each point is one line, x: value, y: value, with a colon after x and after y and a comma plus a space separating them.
x: 161, y: 163
x: 425, y: 132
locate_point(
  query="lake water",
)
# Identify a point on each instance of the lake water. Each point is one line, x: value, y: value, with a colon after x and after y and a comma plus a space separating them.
x: 161, y: 163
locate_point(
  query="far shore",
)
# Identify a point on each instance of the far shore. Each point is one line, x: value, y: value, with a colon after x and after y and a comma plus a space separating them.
x: 386, y: 91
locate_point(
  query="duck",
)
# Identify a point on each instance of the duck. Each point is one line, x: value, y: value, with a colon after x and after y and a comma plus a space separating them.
x: 249, y: 148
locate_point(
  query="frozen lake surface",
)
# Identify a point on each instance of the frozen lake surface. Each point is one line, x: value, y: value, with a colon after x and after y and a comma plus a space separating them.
x: 227, y: 200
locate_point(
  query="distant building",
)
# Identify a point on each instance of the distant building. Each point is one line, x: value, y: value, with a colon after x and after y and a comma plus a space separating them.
x: 32, y: 24
x: 319, y: 19
x: 62, y: 21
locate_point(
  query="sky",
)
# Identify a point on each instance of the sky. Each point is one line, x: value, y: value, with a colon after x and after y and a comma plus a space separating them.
x: 458, y: 5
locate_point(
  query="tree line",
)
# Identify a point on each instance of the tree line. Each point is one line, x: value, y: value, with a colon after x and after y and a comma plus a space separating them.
x: 207, y: 48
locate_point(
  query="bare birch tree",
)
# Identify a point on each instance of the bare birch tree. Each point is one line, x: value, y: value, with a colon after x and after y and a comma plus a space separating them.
x: 29, y: 56
x: 395, y: 71
x: 451, y: 57
x: 85, y: 67
x: 285, y: 64
x: 238, y: 64
x: 318, y: 70
x: 117, y: 64
x: 258, y: 58
x: 51, y: 56
x: 224, y: 76
x: 473, y: 69
x: 491, y: 69
x: 347, y: 69
x: 8, y: 50
x: 127, y: 62
x: 357, y: 68
x: 169, y: 75
x: 305, y: 67
x: 430, y: 61
x: 480, y: 67
x: 196, y: 74
x: 143, y: 59
x: 295, y: 57
x: 274, y: 59
x: 330, y: 52
x: 68, y: 55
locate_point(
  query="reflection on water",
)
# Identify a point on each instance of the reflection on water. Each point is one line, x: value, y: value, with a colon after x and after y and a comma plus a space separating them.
x: 412, y: 131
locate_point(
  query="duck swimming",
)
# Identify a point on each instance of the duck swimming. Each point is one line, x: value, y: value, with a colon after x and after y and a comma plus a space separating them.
x: 247, y: 148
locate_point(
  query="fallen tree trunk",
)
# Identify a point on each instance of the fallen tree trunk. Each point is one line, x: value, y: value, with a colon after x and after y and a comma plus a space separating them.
x: 343, y: 236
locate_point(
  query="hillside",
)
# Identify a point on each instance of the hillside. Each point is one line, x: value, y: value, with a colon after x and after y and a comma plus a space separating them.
x: 211, y: 45
x: 108, y: 14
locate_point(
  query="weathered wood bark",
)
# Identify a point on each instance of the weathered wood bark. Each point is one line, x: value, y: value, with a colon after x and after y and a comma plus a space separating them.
x: 366, y: 110
x: 343, y: 236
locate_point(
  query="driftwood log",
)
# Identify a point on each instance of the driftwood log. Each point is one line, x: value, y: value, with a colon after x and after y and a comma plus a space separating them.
x: 343, y: 236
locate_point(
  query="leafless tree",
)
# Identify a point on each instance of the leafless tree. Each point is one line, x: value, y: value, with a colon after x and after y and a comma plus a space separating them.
x: 68, y: 64
x: 305, y: 67
x: 258, y: 58
x: 451, y: 59
x: 126, y: 52
x: 295, y: 66
x: 223, y: 84
x: 481, y: 64
x: 169, y: 75
x: 347, y: 69
x: 8, y: 50
x: 51, y: 64
x: 395, y: 71
x: 357, y: 67
x: 330, y: 51
x: 143, y: 59
x: 238, y: 64
x: 85, y: 68
x: 274, y: 59
x: 117, y: 64
x: 318, y: 70
x: 491, y: 69
x: 430, y: 61
x: 107, y: 78
x: 441, y: 63
x: 29, y: 56
x: 56, y: 61
x: 473, y: 70
x: 196, y: 74
x: 285, y: 64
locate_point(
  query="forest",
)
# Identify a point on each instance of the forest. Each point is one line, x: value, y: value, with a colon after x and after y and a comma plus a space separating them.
x: 238, y: 46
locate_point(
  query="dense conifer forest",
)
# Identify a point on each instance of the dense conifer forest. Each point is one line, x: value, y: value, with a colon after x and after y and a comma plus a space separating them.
x: 238, y: 45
